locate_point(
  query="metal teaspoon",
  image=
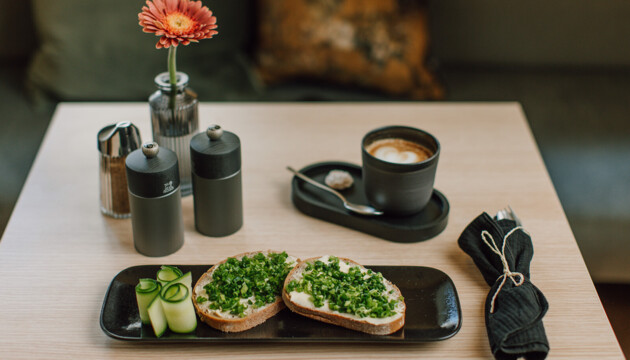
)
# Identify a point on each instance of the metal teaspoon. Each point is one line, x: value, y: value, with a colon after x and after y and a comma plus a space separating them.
x: 359, y: 209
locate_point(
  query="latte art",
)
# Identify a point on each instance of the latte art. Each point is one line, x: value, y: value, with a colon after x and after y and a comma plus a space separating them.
x: 398, y: 151
x: 391, y: 154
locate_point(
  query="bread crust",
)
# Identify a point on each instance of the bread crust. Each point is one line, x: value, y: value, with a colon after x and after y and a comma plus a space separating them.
x: 257, y: 317
x: 339, y: 319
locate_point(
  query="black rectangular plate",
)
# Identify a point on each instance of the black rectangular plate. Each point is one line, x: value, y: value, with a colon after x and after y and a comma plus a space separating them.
x: 433, y: 312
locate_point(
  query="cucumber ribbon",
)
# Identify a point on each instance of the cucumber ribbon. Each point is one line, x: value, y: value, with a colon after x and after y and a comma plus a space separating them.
x: 167, y: 302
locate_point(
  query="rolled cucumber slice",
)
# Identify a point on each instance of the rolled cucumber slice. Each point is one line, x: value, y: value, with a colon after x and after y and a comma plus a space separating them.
x: 176, y: 299
x: 157, y: 316
x: 185, y: 279
x: 146, y: 292
x: 167, y: 301
x: 167, y: 274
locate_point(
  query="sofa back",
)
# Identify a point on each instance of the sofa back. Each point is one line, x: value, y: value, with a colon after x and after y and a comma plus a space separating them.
x: 531, y: 32
x: 84, y: 50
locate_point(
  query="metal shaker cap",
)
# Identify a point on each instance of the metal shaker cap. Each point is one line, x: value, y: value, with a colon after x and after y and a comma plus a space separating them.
x: 119, y: 139
x: 152, y: 171
x: 215, y: 153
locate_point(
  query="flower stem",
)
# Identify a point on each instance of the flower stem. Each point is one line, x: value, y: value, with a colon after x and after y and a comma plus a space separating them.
x: 172, y: 66
x: 172, y: 72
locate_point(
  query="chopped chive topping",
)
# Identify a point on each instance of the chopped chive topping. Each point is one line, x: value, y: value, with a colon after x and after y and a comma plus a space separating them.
x: 362, y: 294
x: 250, y: 282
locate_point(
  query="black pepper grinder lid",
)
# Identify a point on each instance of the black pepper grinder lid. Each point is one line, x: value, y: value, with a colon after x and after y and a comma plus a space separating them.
x: 215, y: 154
x: 152, y: 171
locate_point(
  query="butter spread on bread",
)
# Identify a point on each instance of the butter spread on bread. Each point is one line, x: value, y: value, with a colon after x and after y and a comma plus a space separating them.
x: 242, y: 291
x: 342, y: 292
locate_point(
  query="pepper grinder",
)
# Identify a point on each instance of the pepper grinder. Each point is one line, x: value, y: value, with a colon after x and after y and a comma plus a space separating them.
x: 216, y: 177
x: 155, y: 200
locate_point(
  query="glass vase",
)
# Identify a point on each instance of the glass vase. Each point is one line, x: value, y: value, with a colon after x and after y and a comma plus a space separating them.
x: 174, y: 121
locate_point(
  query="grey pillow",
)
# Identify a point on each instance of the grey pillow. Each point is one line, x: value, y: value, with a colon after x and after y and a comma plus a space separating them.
x: 95, y: 50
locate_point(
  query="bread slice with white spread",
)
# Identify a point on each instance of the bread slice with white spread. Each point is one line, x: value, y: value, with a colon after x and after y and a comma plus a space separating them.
x: 342, y: 292
x: 242, y: 291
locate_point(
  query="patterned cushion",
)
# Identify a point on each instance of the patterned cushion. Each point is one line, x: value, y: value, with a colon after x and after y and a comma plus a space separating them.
x: 375, y: 44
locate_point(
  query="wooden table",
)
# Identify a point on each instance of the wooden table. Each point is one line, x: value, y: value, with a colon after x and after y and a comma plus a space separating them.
x: 59, y: 254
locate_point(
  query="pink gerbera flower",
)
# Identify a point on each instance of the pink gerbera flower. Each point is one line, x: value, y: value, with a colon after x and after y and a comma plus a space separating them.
x: 177, y: 21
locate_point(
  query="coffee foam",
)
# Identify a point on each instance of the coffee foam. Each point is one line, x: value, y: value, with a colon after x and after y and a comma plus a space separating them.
x: 398, y: 151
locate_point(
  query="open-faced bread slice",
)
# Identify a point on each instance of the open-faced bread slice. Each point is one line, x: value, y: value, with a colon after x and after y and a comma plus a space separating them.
x: 342, y: 292
x: 257, y: 279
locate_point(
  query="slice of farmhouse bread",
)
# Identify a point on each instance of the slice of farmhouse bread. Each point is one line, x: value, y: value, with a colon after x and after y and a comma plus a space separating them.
x: 302, y: 303
x: 252, y: 315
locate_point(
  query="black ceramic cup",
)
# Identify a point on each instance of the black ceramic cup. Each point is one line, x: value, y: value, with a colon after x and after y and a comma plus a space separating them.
x: 399, y: 189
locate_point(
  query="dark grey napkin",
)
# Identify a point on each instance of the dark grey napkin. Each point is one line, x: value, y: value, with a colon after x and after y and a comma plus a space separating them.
x: 514, y: 306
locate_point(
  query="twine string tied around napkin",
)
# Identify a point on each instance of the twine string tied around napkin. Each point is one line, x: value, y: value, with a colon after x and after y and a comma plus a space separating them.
x: 507, y: 273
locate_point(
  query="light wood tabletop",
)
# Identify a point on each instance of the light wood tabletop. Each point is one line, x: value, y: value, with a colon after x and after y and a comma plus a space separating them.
x: 59, y: 253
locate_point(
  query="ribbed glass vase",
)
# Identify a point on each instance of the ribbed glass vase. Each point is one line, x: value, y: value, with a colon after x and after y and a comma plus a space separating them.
x: 175, y: 120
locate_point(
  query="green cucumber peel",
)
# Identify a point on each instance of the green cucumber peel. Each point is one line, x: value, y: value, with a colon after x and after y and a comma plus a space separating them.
x: 166, y: 303
x: 185, y: 279
x: 174, y: 293
x: 167, y: 274
x: 146, y: 286
x: 178, y: 308
x: 146, y: 292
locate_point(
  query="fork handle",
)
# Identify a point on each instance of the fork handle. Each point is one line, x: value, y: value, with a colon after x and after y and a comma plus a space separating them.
x: 513, y: 214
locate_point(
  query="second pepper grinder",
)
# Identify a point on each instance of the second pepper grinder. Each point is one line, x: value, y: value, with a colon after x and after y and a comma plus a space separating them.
x: 155, y: 199
x: 216, y: 177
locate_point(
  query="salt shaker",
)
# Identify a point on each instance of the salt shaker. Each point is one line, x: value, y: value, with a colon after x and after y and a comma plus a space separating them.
x: 114, y: 143
x: 155, y: 199
x: 216, y: 177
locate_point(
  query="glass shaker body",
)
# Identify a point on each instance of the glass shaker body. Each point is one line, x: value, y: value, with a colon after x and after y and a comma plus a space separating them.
x: 115, y: 142
x: 174, y: 121
x: 113, y: 184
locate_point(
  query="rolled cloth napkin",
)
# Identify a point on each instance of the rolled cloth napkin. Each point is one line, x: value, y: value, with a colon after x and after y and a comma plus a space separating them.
x: 514, y: 307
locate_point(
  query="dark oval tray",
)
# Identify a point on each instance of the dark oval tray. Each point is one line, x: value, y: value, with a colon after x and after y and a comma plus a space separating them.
x: 322, y: 205
x: 433, y: 312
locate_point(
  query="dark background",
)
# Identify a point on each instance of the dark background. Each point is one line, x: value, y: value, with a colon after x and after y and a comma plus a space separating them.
x: 566, y: 61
